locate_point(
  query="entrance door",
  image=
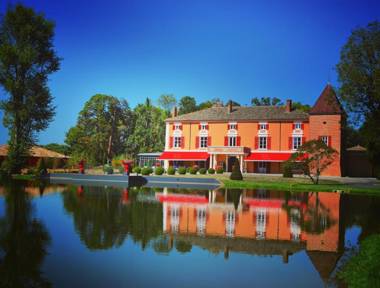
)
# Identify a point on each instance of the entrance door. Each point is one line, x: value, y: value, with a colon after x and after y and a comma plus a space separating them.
x: 262, y: 167
x: 231, y: 163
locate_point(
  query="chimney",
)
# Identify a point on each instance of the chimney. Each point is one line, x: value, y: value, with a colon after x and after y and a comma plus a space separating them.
x: 288, y: 107
x: 229, y: 106
x: 174, y: 111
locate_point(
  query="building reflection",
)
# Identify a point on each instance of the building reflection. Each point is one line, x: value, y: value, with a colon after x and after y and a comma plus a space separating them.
x: 258, y: 222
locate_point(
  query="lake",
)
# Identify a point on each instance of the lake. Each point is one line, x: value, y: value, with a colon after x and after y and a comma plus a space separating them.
x: 84, y: 236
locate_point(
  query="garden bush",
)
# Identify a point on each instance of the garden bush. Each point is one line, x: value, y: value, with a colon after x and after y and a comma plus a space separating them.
x: 108, y: 169
x: 287, y: 171
x: 146, y: 171
x: 159, y: 171
x: 136, y: 170
x: 219, y: 170
x: 211, y: 171
x: 236, y: 173
x: 121, y: 169
x: 171, y: 170
x: 182, y: 170
x: 193, y: 170
x: 202, y: 171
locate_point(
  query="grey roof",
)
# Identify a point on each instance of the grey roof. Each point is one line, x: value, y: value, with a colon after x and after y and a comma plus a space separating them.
x: 256, y: 113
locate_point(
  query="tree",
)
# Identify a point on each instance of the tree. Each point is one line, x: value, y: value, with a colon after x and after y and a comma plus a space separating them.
x: 167, y: 102
x: 187, y: 104
x: 236, y: 173
x: 149, y: 129
x: 60, y: 148
x: 209, y: 103
x: 102, y: 129
x: 302, y: 107
x: 359, y: 76
x: 27, y: 58
x: 312, y: 158
x: 266, y: 101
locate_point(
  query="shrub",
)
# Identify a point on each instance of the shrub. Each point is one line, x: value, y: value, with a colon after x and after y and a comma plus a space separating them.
x: 193, y: 170
x: 136, y: 170
x: 121, y: 169
x: 202, y: 171
x: 171, y: 170
x: 146, y: 171
x: 219, y: 170
x: 108, y: 169
x: 287, y: 171
x: 211, y: 171
x: 236, y: 173
x: 182, y: 170
x: 159, y: 171
x: 187, y: 169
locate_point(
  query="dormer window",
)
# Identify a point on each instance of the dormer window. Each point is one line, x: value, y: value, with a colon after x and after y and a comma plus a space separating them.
x: 203, y: 126
x: 298, y: 125
x: 263, y: 126
x: 177, y: 126
x: 232, y: 126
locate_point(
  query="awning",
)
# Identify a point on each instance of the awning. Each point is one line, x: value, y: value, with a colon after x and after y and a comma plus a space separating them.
x: 184, y: 156
x: 181, y: 198
x: 266, y: 156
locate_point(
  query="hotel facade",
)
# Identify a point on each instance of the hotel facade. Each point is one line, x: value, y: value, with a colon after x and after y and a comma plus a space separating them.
x: 261, y: 138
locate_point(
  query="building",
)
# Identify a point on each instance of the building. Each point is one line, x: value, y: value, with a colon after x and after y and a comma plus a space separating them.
x: 357, y: 162
x: 149, y: 159
x: 35, y: 154
x: 261, y: 138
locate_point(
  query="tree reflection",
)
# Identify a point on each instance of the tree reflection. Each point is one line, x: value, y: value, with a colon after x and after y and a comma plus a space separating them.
x: 103, y: 218
x: 23, y: 242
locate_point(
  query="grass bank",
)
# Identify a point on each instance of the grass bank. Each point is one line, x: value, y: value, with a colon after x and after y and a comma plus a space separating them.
x: 296, y: 184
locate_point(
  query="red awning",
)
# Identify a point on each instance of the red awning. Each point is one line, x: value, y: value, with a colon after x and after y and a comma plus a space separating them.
x: 181, y: 198
x: 184, y: 156
x: 267, y: 156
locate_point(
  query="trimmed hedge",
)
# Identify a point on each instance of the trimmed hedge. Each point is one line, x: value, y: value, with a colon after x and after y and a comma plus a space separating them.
x: 211, y: 171
x: 202, y: 171
x: 159, y: 171
x: 219, y: 170
x: 136, y: 170
x: 236, y: 173
x: 171, y: 171
x: 193, y: 170
x: 287, y: 171
x: 146, y: 171
x: 108, y: 169
x: 182, y: 170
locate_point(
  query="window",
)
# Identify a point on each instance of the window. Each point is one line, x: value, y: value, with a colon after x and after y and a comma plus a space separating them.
x: 177, y: 142
x: 325, y: 139
x: 174, y: 219
x: 260, y: 223
x: 263, y: 126
x: 177, y: 126
x: 203, y: 142
x: 232, y: 141
x: 203, y: 126
x: 262, y: 142
x: 230, y: 223
x: 298, y: 125
x: 297, y: 142
x: 233, y: 126
x: 295, y: 228
x: 201, y: 221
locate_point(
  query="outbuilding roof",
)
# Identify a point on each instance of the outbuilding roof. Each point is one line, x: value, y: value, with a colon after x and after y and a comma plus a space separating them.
x: 241, y: 113
x: 35, y: 151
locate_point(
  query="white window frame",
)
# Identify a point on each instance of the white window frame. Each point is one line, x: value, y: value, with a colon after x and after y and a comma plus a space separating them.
x: 298, y: 125
x: 203, y: 126
x: 325, y: 139
x: 177, y: 142
x: 230, y: 223
x: 203, y: 142
x: 201, y: 220
x: 232, y: 125
x: 263, y: 142
x: 296, y: 143
x: 177, y: 126
x: 232, y: 141
x: 174, y: 218
x: 263, y: 126
x: 261, y: 223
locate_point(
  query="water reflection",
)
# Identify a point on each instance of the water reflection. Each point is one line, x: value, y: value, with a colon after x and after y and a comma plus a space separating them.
x: 23, y: 241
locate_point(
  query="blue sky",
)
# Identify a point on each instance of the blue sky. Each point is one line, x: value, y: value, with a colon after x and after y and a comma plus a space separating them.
x: 206, y: 49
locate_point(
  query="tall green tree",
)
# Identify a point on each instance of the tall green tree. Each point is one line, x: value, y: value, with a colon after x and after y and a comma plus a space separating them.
x: 187, y: 104
x: 102, y: 129
x: 60, y: 148
x: 149, y: 129
x: 27, y: 58
x: 167, y: 102
x: 302, y: 107
x: 359, y: 76
x: 266, y: 101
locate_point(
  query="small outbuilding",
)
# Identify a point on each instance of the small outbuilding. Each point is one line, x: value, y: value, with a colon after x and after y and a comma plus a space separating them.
x: 357, y: 162
x: 149, y: 159
x: 36, y: 153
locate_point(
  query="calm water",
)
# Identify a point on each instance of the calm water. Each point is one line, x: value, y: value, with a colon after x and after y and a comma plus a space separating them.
x: 70, y: 236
